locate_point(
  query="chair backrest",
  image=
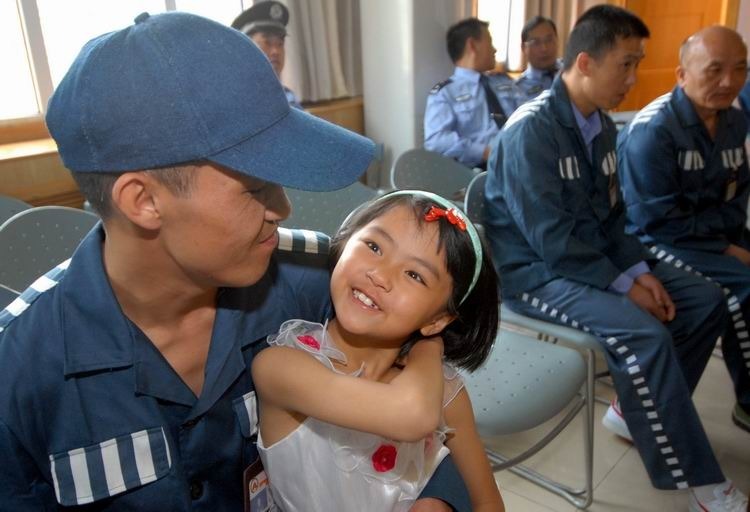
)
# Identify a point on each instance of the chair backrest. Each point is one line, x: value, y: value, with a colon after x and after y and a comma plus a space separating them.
x: 523, y: 383
x: 426, y: 170
x: 325, y: 211
x: 7, y: 296
x: 9, y: 206
x: 474, y: 200
x: 35, y: 240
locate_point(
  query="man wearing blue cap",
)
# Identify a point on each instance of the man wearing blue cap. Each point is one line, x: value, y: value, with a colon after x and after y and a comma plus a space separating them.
x: 126, y: 369
x: 265, y: 23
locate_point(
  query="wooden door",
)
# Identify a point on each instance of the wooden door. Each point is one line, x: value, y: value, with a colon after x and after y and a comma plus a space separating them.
x: 670, y: 23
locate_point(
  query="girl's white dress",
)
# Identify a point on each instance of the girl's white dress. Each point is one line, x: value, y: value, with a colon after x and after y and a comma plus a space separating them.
x: 323, y: 467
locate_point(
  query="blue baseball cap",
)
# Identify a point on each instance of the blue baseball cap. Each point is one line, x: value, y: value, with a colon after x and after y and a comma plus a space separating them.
x: 176, y: 88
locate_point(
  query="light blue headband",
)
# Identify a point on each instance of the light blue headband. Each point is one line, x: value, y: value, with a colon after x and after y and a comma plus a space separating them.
x: 470, y: 229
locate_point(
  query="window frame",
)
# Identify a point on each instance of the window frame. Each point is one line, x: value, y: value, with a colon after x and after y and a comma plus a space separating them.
x: 33, y: 127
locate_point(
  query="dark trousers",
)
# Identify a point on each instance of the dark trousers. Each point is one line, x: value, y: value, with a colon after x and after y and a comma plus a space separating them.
x: 655, y: 367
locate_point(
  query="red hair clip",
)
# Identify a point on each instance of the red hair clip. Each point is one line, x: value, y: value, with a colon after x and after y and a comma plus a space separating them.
x: 450, y: 214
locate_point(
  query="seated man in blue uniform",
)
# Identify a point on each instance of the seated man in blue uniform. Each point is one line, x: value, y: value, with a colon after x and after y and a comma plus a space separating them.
x: 466, y: 111
x: 265, y: 23
x: 556, y: 222
x: 126, y: 370
x: 686, y: 184
x: 539, y: 45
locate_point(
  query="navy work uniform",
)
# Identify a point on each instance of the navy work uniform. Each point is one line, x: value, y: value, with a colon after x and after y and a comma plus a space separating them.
x: 686, y: 196
x: 533, y: 82
x: 457, y: 122
x: 744, y: 100
x: 555, y: 220
x: 91, y: 412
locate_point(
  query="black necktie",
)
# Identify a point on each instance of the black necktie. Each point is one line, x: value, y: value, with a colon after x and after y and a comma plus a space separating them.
x: 496, y: 111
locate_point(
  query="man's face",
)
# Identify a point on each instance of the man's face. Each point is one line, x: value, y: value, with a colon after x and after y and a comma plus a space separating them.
x: 540, y: 48
x: 223, y: 231
x: 611, y: 76
x: 713, y: 71
x: 273, y: 46
x: 485, y: 51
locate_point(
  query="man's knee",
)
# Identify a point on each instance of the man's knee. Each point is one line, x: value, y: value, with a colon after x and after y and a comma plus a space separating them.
x: 715, y: 302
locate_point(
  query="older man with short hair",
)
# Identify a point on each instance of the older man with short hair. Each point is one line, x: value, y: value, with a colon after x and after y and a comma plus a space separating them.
x: 686, y: 183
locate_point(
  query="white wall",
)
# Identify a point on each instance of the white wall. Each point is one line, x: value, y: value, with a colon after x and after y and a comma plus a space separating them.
x: 403, y: 56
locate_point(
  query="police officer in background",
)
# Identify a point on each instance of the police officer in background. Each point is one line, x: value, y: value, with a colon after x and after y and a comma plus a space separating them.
x: 539, y: 45
x: 466, y: 111
x: 265, y: 23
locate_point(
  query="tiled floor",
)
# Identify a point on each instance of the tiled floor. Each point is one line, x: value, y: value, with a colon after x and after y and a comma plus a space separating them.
x: 620, y: 480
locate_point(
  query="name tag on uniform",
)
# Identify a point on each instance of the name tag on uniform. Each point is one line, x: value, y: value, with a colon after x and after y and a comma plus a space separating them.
x: 257, y: 492
x: 609, y: 169
x: 463, y: 97
x: 732, y: 160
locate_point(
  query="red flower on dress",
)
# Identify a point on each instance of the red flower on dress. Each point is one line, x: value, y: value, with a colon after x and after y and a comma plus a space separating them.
x: 308, y: 340
x: 384, y: 458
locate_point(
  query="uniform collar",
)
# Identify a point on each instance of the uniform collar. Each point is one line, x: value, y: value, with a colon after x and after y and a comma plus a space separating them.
x: 467, y: 74
x: 97, y: 335
x: 561, y: 103
x: 686, y: 111
x: 590, y: 126
x: 539, y: 74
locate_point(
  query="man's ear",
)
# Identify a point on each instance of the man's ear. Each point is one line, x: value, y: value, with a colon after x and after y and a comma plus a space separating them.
x: 135, y: 196
x: 471, y: 46
x: 437, y: 324
x: 583, y: 63
x: 679, y: 72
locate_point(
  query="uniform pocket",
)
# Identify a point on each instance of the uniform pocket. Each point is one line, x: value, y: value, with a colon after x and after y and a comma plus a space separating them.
x: 87, y: 474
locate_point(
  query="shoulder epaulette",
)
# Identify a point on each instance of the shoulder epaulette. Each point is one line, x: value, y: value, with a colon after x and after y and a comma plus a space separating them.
x: 303, y: 240
x: 440, y: 85
x: 32, y: 293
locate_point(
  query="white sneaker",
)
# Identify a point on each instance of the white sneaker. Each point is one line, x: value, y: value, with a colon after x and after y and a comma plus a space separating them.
x: 614, y: 422
x: 727, y: 498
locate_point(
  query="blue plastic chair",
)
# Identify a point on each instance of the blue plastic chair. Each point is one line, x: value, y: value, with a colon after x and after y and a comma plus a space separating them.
x: 425, y: 170
x: 325, y: 211
x: 35, y: 240
x: 524, y: 383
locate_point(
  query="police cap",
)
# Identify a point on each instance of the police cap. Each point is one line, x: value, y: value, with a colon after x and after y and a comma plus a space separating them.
x: 267, y: 16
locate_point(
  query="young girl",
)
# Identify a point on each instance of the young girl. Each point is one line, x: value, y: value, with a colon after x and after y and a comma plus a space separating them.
x: 357, y: 414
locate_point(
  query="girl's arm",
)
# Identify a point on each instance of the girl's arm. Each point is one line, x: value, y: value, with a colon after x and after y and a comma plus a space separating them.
x: 406, y: 409
x: 469, y: 455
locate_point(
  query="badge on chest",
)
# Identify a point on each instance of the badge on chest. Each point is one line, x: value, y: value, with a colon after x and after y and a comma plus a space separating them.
x: 257, y: 492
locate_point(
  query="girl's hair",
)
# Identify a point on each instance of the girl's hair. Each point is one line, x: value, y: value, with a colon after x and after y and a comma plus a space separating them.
x: 468, y: 339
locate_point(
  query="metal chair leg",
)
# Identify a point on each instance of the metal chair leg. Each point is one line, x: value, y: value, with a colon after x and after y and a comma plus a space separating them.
x: 581, y: 498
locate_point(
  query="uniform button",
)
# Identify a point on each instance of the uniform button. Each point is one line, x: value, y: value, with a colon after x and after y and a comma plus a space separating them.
x: 190, y: 423
x: 196, y: 489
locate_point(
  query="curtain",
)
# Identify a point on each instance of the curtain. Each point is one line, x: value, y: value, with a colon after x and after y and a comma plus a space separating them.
x: 323, y: 49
